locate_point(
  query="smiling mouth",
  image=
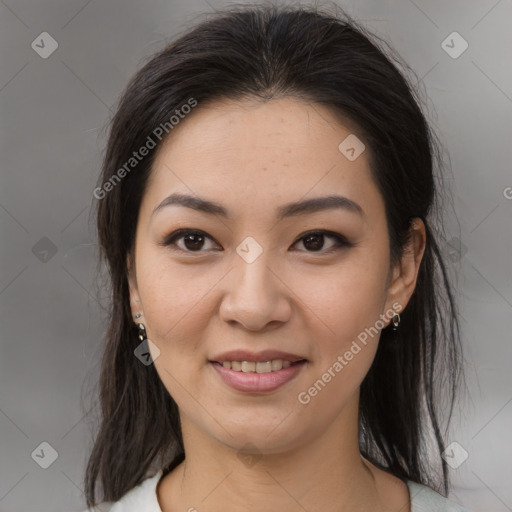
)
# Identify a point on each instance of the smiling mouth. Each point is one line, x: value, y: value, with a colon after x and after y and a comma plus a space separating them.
x: 274, y: 365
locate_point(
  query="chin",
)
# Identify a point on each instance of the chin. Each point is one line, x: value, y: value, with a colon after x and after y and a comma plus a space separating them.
x: 261, y: 437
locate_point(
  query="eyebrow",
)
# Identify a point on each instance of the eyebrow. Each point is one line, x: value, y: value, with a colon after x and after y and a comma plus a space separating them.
x: 314, y: 205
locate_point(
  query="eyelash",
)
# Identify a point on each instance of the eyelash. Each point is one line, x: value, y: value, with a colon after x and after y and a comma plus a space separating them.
x: 341, y: 241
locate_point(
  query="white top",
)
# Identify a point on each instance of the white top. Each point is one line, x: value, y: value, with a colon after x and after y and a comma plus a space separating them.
x: 143, y: 498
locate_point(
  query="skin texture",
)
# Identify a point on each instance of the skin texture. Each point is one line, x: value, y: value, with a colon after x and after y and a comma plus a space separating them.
x: 253, y: 157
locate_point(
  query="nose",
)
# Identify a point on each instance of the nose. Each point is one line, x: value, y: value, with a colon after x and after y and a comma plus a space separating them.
x: 257, y: 296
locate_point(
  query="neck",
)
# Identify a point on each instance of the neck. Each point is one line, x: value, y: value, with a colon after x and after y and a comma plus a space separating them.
x: 327, y: 473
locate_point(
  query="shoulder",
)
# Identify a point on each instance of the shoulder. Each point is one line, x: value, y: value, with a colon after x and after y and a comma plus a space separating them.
x: 141, y: 497
x: 425, y: 499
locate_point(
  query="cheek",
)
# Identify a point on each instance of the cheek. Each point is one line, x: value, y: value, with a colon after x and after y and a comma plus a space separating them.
x: 180, y: 300
x: 346, y: 332
x: 177, y: 308
x: 174, y: 298
x: 345, y: 327
x: 344, y: 301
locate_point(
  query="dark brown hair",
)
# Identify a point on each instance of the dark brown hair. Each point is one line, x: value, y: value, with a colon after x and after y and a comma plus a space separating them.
x: 267, y: 52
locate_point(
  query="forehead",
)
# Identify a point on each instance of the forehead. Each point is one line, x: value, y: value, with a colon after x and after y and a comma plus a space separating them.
x: 262, y: 152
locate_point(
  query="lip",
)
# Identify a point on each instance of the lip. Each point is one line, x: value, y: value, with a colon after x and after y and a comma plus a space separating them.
x: 257, y: 357
x: 257, y: 382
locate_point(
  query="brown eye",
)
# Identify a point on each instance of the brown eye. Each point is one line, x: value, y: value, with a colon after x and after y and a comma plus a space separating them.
x: 193, y: 240
x: 314, y: 241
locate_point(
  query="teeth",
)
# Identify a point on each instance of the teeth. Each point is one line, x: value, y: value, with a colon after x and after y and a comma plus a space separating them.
x: 264, y: 367
x: 259, y: 367
x: 248, y: 366
x: 276, y: 364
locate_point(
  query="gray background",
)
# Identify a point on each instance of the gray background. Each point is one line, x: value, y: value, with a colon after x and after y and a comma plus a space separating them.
x: 53, y: 115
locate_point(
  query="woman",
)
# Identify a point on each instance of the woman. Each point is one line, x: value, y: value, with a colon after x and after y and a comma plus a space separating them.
x: 280, y: 304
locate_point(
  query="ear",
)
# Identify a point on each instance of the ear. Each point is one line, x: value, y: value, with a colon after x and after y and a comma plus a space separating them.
x: 135, y: 303
x: 405, y: 273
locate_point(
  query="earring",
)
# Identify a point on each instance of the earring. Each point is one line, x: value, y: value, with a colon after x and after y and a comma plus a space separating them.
x: 138, y: 315
x: 395, y: 320
x: 142, y: 332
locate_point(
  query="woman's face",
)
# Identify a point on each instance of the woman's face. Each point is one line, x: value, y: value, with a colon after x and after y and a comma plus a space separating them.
x: 251, y: 283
